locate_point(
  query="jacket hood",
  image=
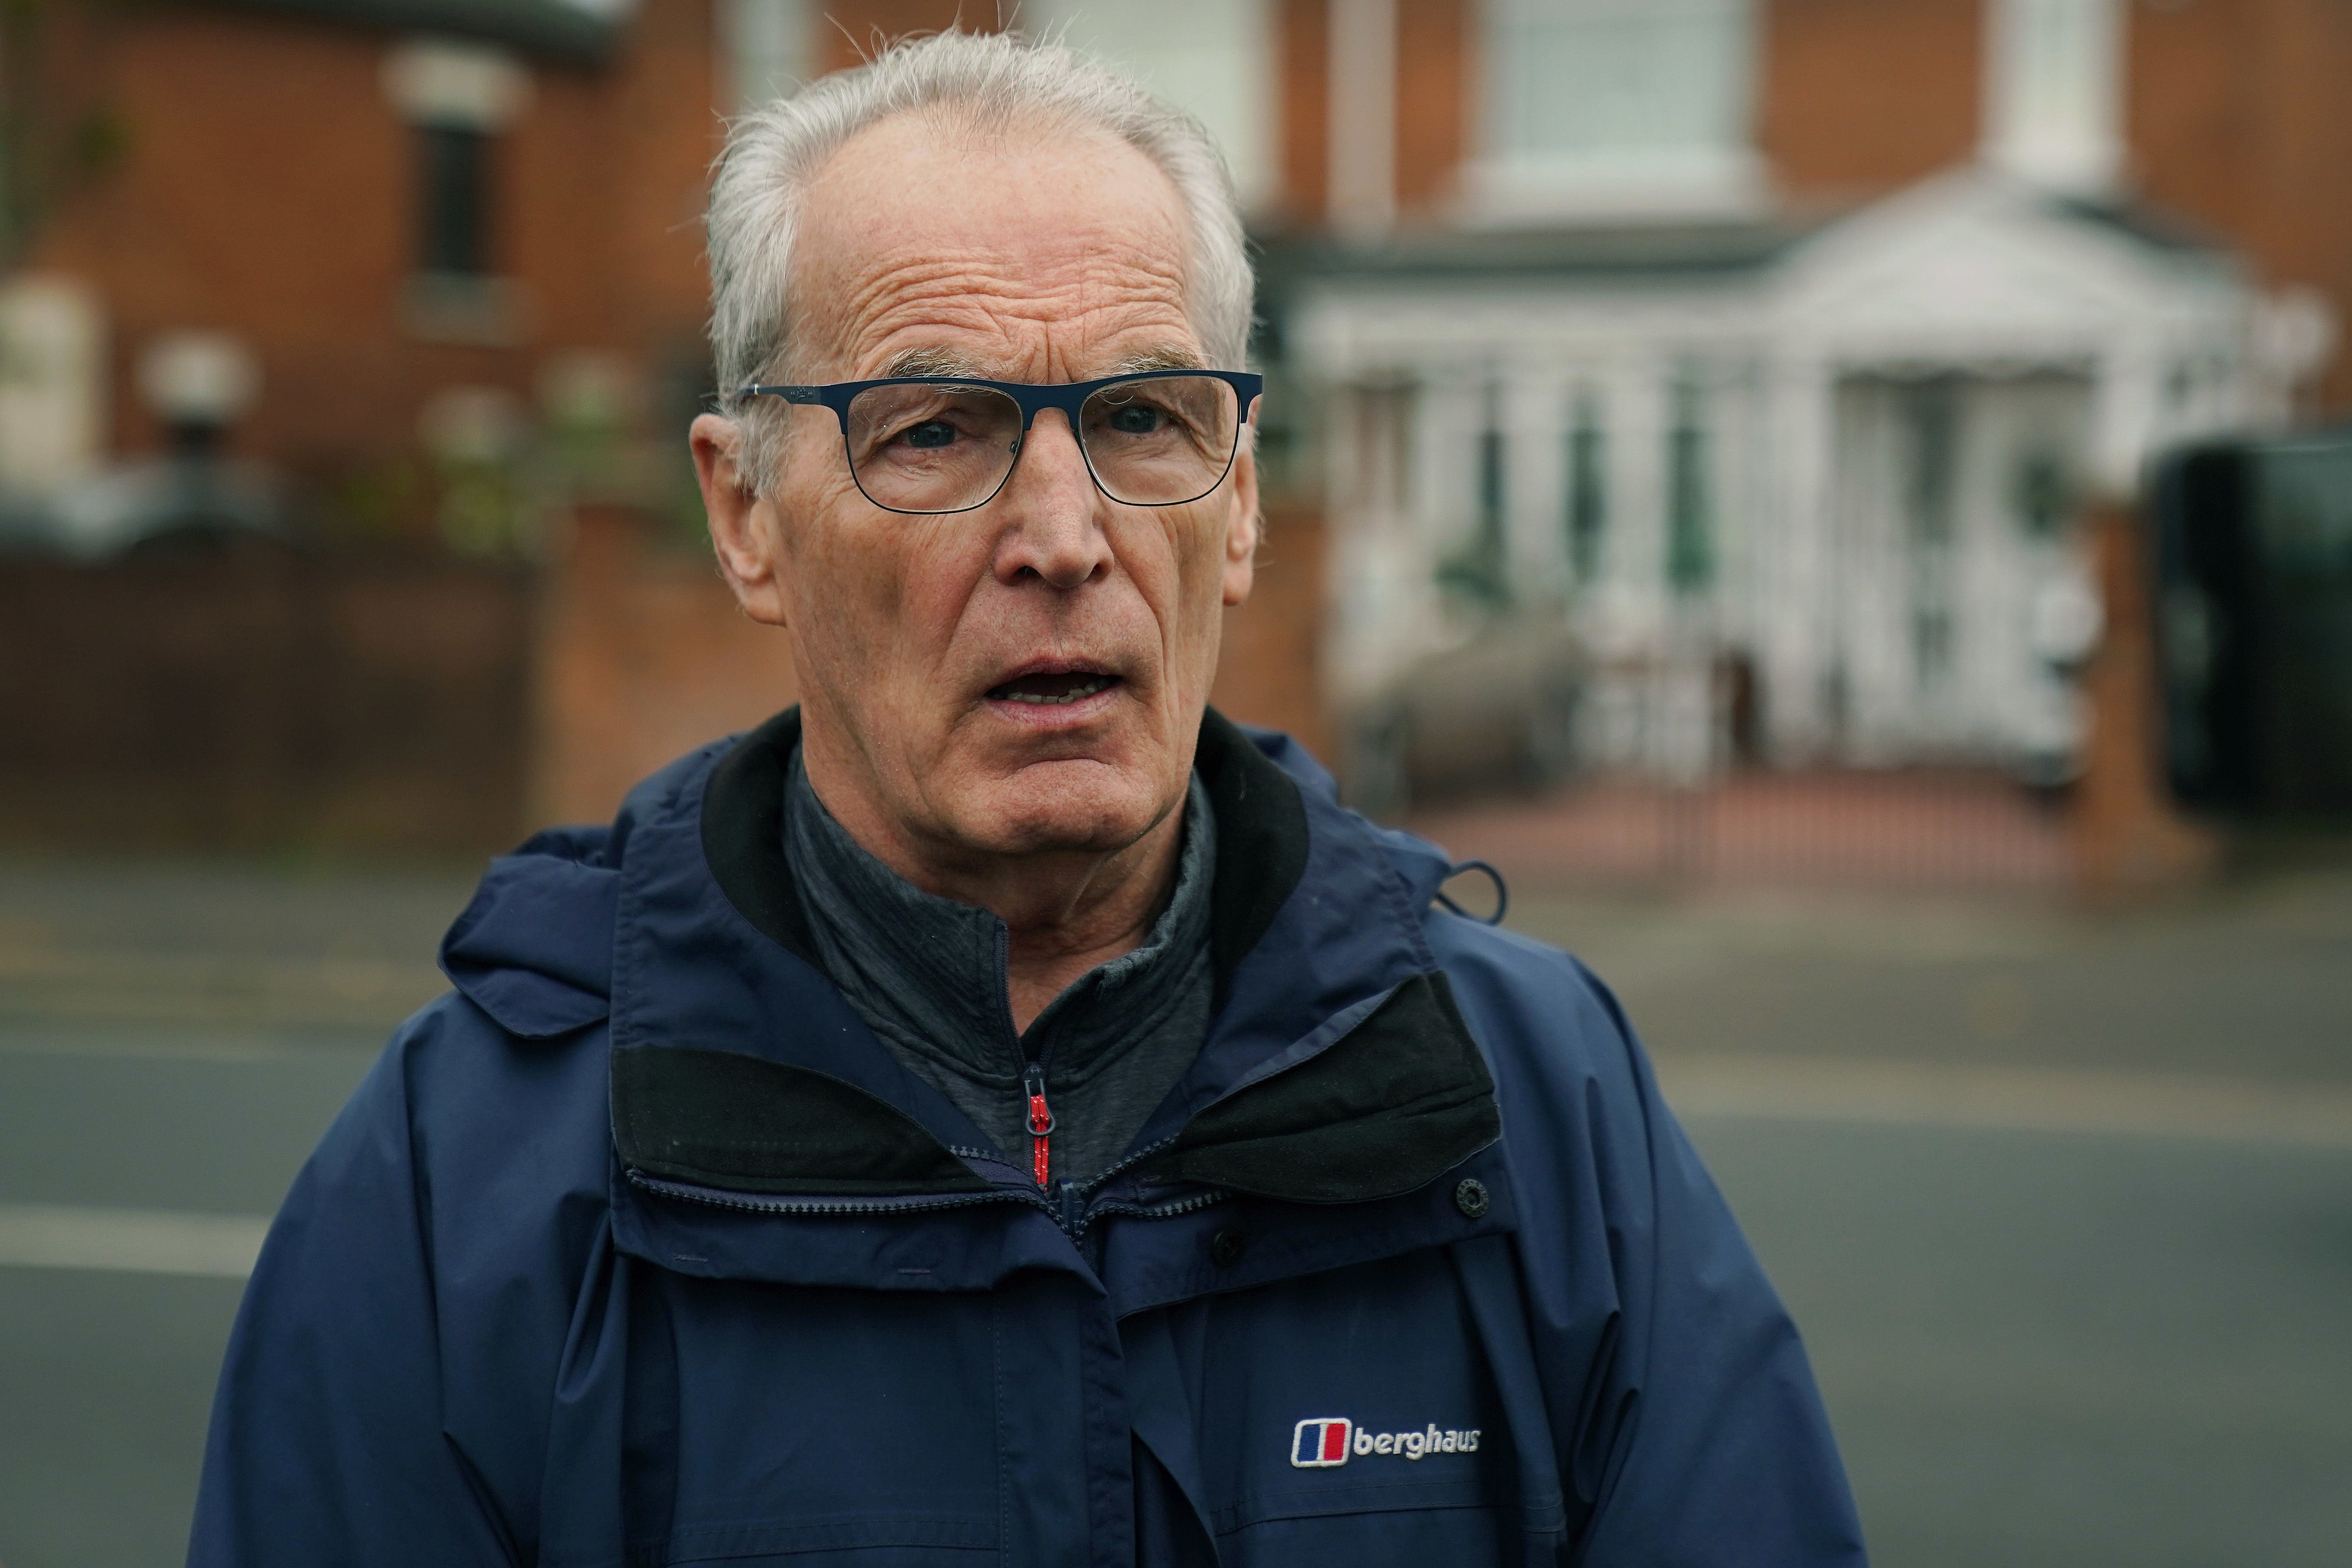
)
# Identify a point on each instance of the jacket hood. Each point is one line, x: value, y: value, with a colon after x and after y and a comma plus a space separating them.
x: 534, y: 947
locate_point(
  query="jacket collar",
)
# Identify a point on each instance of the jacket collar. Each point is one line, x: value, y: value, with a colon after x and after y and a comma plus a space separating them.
x: 1336, y: 1068
x: 1262, y: 839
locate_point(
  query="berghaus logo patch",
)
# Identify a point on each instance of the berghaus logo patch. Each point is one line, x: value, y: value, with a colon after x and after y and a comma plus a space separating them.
x: 1321, y: 1441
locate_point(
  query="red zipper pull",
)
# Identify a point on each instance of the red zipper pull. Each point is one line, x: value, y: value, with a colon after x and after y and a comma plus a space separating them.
x: 1041, y: 1119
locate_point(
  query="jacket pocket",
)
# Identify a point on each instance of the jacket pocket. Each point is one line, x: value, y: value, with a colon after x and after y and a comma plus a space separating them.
x: 1416, y: 1526
x: 824, y: 1426
x: 1348, y: 1418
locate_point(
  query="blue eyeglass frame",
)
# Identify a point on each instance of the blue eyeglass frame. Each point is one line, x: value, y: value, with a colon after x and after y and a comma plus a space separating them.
x: 1033, y: 398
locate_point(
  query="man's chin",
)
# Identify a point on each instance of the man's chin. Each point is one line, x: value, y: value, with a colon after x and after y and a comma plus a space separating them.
x: 1078, y: 805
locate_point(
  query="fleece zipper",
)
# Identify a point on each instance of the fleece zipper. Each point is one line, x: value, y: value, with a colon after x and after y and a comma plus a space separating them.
x: 1041, y: 1122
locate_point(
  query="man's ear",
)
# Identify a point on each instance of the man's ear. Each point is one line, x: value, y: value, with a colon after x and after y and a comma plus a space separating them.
x: 1244, y: 525
x: 742, y: 526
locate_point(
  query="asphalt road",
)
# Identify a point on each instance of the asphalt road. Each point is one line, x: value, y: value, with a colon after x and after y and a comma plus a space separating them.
x: 2064, y: 1205
x: 106, y: 1374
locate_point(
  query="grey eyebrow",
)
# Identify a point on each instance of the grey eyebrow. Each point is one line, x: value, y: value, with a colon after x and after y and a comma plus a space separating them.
x: 1166, y: 357
x: 932, y: 361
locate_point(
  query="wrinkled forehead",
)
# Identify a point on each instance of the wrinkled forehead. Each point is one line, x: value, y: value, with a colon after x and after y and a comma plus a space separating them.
x: 1035, y: 249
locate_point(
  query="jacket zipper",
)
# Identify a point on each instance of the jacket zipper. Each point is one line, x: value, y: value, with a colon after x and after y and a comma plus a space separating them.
x: 716, y: 1197
x: 1071, y: 1213
x: 1041, y: 1121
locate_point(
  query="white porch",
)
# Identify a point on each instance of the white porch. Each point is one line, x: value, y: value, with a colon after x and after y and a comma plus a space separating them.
x: 1847, y: 462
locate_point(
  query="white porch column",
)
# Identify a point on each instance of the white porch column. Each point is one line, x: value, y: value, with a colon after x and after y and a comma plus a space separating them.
x: 1736, y: 454
x: 1446, y: 420
x: 2126, y: 400
x: 1535, y: 415
x: 1353, y: 535
x: 2054, y: 91
x: 1635, y: 392
x: 1380, y: 568
x: 1799, y: 615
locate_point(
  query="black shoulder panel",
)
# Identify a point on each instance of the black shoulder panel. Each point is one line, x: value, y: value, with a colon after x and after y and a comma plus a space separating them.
x: 724, y: 1120
x: 1385, y: 1109
x: 1261, y: 842
x: 743, y: 833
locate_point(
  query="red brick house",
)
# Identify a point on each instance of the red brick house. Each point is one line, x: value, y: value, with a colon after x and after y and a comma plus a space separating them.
x: 1769, y: 347
x: 388, y: 197
x: 405, y: 214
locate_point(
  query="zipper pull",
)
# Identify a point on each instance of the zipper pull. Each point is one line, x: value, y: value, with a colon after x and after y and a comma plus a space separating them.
x: 1041, y: 1119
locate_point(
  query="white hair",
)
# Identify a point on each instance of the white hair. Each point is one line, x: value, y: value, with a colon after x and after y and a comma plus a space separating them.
x: 996, y: 80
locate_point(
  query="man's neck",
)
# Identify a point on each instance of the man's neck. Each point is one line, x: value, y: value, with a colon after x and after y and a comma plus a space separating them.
x: 1064, y: 911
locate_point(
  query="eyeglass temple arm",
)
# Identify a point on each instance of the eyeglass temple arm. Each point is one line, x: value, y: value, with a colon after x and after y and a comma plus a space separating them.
x: 789, y: 394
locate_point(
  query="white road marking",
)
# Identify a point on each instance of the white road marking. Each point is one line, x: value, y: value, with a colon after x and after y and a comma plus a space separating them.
x: 177, y: 1044
x: 139, y: 1241
x: 216, y: 988
x: 2024, y: 1099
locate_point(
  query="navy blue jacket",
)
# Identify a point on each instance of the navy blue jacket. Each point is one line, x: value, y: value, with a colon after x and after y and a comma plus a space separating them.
x: 639, y: 1248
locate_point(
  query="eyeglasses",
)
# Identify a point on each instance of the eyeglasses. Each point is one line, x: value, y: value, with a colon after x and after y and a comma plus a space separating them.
x: 928, y: 444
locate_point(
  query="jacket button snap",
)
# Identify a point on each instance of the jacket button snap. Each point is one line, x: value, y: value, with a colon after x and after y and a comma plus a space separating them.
x: 1470, y: 1196
x: 1226, y: 1248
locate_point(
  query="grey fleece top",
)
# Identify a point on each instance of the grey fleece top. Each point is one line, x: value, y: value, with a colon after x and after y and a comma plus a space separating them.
x: 929, y: 975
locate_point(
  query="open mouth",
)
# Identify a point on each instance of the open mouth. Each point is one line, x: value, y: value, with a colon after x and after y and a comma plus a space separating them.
x: 1056, y: 690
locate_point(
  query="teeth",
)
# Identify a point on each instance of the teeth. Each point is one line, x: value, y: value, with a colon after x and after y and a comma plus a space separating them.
x: 1092, y: 685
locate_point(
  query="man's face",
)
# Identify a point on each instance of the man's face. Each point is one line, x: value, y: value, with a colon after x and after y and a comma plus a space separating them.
x: 925, y: 643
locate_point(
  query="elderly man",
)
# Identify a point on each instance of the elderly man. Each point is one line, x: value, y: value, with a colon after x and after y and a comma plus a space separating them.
x: 1000, y: 1110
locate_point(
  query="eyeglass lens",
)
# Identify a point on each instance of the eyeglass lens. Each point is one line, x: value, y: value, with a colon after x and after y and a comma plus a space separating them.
x: 928, y: 447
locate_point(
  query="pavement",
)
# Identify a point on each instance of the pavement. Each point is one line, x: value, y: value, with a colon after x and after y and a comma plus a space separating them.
x: 1920, y: 829
x: 2062, y: 1200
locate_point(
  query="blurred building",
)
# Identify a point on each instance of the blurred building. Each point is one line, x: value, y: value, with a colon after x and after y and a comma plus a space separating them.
x: 1774, y: 348
x: 319, y: 319
x: 1755, y: 356
x: 1658, y: 380
x: 427, y: 227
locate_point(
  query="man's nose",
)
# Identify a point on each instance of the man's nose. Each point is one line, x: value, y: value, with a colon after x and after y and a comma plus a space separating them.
x: 1053, y: 512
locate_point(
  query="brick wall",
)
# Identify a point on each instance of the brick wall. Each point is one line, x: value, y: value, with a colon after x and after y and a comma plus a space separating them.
x: 1302, y: 71
x: 1271, y: 670
x: 2240, y: 121
x: 263, y: 699
x: 1858, y: 98
x: 642, y: 656
x: 1436, y: 67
